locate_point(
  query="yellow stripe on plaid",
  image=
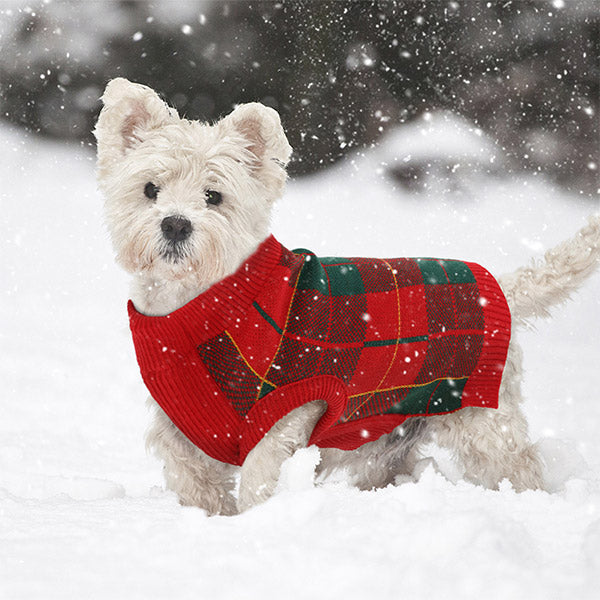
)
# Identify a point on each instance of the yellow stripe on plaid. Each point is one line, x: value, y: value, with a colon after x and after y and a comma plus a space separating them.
x: 262, y: 379
x: 287, y: 319
x: 409, y: 385
x: 376, y: 391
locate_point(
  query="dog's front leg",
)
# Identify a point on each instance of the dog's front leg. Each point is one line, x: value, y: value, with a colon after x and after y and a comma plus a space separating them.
x: 196, y: 478
x: 262, y: 466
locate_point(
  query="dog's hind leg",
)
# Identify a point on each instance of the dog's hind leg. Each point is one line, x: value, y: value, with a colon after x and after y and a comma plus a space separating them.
x: 197, y: 479
x: 261, y: 469
x: 493, y: 444
x: 379, y: 463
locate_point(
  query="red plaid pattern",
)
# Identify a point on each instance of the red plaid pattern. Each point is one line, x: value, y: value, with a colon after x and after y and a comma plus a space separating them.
x: 378, y: 340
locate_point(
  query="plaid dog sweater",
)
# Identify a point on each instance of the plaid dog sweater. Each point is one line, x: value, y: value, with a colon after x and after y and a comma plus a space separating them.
x: 379, y: 340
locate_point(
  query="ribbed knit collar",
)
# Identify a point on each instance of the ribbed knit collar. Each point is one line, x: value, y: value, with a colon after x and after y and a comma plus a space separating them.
x: 213, y: 310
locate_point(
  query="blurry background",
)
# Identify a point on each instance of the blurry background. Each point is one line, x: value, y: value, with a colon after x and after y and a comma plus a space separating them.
x: 340, y: 73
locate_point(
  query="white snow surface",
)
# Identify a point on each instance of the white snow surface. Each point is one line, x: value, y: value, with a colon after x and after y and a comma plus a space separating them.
x: 83, y: 510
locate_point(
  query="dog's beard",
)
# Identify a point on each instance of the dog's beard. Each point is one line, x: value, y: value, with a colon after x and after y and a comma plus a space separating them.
x: 175, y: 252
x: 155, y: 255
x: 204, y: 258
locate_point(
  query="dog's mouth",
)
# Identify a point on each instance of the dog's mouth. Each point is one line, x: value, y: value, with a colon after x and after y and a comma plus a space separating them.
x: 174, y: 253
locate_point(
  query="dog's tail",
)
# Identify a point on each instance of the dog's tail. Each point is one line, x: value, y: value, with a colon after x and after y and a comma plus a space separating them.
x: 532, y: 291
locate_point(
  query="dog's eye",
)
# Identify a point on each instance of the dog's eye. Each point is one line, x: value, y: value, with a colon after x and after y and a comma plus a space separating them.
x: 214, y: 198
x: 151, y: 190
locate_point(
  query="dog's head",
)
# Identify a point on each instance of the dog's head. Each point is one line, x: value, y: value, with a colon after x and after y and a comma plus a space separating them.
x: 183, y: 196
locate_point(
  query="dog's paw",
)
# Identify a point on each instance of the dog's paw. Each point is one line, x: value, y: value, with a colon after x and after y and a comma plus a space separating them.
x: 250, y: 496
x: 422, y: 466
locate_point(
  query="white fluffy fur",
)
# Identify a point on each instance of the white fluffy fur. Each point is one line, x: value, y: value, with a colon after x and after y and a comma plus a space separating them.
x: 243, y: 157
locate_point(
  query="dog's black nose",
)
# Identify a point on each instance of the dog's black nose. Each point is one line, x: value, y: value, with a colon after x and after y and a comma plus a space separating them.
x: 176, y: 229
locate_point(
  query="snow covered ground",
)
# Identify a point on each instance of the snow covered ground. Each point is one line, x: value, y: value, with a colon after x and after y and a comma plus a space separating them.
x: 83, y: 513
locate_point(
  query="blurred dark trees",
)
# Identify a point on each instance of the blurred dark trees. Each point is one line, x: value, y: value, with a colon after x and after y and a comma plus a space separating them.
x: 339, y: 73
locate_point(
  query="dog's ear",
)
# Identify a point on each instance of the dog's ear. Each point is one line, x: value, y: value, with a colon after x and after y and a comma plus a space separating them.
x: 269, y: 150
x: 130, y: 112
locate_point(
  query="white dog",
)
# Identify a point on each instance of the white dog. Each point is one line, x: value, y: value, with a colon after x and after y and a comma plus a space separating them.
x: 187, y: 204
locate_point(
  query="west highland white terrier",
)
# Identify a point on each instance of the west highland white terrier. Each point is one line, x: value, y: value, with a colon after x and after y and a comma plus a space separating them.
x: 251, y: 351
